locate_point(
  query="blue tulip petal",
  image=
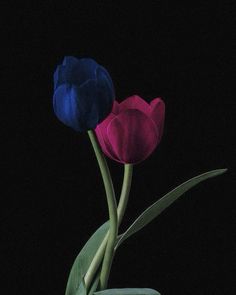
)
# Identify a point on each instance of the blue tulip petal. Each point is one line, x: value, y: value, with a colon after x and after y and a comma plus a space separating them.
x: 76, y: 71
x: 60, y: 76
x: 70, y: 60
x: 88, y: 109
x: 55, y: 78
x: 102, y: 71
x: 93, y: 117
x: 69, y: 64
x: 62, y: 73
x: 83, y: 93
x: 83, y: 71
x: 66, y: 107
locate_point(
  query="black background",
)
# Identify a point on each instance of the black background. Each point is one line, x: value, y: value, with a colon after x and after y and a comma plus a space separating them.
x: 54, y: 197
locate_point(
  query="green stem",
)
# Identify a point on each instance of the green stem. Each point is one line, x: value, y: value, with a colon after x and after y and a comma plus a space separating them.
x: 112, y: 208
x: 128, y: 168
x: 124, y: 197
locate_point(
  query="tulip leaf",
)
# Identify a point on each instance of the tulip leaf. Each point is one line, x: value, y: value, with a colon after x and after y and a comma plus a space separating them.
x: 94, y: 284
x: 82, y: 289
x: 84, y: 259
x: 154, y: 210
x: 128, y: 291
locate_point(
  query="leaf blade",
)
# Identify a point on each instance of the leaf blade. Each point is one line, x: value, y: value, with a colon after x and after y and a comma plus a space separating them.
x: 95, y: 284
x: 84, y: 259
x: 82, y: 289
x: 159, y: 206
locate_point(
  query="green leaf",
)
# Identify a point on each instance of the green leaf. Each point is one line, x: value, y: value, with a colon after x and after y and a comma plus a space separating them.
x: 153, y: 211
x: 82, y: 289
x: 94, y: 284
x: 128, y: 291
x: 84, y: 259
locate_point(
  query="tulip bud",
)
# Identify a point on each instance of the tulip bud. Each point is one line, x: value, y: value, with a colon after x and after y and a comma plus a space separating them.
x: 83, y: 93
x: 132, y: 130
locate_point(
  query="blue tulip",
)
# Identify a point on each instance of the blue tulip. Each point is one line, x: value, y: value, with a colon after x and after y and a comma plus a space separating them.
x: 83, y: 93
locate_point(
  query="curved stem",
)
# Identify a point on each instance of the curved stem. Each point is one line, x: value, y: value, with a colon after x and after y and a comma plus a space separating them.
x: 124, y: 197
x: 128, y: 169
x: 112, y: 208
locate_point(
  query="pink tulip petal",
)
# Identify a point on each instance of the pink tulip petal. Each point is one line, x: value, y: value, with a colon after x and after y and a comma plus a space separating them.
x: 158, y: 114
x: 133, y: 136
x: 101, y: 140
x: 115, y: 107
x: 103, y: 125
x: 135, y: 102
x: 101, y: 132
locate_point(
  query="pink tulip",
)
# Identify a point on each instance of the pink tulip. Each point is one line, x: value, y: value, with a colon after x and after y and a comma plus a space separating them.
x: 132, y: 130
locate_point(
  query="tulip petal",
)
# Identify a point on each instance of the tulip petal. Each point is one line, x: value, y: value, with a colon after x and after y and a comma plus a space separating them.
x: 65, y: 106
x: 135, y: 102
x: 132, y: 135
x: 115, y: 108
x: 87, y: 106
x: 69, y: 60
x: 74, y: 106
x: 84, y: 70
x: 102, y: 71
x: 76, y: 71
x: 101, y: 132
x: 56, y: 77
x: 158, y: 114
x: 87, y: 91
x: 60, y: 76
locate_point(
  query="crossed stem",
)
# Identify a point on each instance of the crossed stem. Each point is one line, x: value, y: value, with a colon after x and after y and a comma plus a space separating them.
x: 105, y: 252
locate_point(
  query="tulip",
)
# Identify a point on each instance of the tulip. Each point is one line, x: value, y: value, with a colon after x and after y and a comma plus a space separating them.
x: 83, y: 93
x: 132, y: 130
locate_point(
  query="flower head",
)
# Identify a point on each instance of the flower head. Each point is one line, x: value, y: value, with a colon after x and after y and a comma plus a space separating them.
x: 132, y: 130
x: 83, y: 93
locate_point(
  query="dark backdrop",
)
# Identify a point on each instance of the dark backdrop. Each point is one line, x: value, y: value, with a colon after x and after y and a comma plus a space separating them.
x: 54, y: 197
